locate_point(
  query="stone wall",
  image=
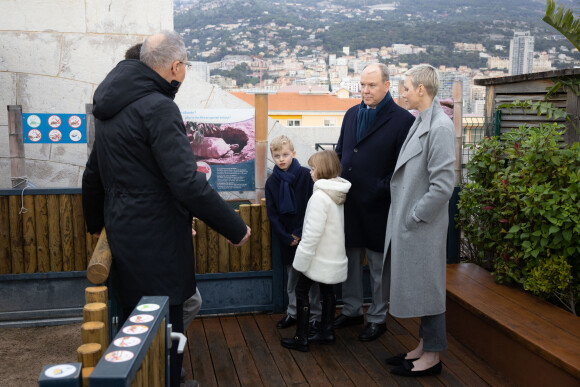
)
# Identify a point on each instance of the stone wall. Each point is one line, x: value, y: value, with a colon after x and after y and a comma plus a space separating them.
x: 53, y: 54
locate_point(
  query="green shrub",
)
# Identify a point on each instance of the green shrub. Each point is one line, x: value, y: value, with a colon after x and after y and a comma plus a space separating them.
x: 520, y: 212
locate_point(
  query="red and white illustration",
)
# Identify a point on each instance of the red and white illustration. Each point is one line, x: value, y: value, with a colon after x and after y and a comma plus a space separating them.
x: 127, y: 341
x: 34, y: 135
x: 119, y: 356
x: 54, y: 121
x: 205, y: 168
x: 55, y: 135
x: 135, y: 329
x: 141, y: 318
x: 74, y: 121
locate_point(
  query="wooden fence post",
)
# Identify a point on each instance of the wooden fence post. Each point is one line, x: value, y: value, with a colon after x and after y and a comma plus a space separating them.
x: 261, y: 122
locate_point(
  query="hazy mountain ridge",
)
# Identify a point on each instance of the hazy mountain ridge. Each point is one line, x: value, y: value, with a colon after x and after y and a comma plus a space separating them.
x: 331, y: 25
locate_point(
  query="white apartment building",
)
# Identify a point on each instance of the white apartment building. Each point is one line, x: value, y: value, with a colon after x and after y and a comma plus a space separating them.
x: 522, y: 53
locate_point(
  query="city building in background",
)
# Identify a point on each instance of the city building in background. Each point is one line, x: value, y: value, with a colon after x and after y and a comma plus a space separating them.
x: 521, y: 53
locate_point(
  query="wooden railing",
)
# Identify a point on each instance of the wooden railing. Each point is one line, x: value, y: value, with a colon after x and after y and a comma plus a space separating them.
x: 43, y: 230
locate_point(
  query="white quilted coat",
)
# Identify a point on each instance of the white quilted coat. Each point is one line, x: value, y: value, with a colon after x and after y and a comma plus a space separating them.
x: 321, y: 255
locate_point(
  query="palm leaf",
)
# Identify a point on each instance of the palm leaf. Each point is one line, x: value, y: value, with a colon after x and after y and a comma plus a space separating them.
x: 564, y: 22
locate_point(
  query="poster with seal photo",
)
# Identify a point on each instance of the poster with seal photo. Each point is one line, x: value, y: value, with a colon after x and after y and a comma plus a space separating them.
x: 223, y: 142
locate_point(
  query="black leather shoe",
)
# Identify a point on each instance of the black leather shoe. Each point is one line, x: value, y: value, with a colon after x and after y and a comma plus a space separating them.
x: 286, y: 322
x: 342, y: 321
x: 315, y: 327
x: 406, y: 369
x: 397, y: 360
x: 372, y: 331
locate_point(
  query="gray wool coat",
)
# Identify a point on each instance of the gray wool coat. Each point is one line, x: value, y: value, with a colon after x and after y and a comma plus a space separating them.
x: 421, y: 187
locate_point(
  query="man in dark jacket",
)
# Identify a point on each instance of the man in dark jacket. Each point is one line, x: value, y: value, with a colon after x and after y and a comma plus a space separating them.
x: 141, y: 182
x: 371, y: 137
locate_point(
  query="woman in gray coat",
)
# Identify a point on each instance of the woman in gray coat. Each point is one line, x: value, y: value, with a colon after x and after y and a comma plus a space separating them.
x: 415, y: 240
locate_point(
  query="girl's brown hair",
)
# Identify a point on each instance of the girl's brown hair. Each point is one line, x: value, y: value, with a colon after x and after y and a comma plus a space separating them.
x: 326, y: 164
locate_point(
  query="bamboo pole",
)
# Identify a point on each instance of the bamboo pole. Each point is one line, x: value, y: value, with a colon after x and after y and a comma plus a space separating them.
x: 255, y: 238
x: 201, y: 251
x: 79, y: 238
x: 16, y: 240
x: 97, y: 311
x: 246, y: 249
x: 212, y: 250
x: 261, y: 146
x: 96, y: 294
x: 224, y: 255
x: 458, y: 124
x: 100, y: 263
x: 54, y: 239
x: 29, y: 234
x: 89, y: 354
x: 66, y: 230
x: 5, y: 259
x: 42, y: 249
x: 266, y: 237
x: 94, y: 332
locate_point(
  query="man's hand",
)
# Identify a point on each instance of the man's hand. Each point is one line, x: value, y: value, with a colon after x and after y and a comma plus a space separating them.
x: 245, y: 238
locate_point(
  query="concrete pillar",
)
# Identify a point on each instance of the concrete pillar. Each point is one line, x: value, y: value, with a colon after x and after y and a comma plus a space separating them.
x: 458, y: 123
x: 16, y: 145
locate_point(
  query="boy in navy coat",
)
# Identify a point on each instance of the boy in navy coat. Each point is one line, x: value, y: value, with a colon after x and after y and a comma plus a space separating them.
x: 287, y: 192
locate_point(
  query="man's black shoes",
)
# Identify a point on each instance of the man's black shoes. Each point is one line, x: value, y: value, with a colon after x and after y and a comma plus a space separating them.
x: 342, y: 321
x: 372, y: 331
x: 286, y: 322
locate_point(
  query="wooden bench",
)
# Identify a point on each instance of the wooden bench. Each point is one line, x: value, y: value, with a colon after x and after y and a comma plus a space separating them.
x: 532, y: 342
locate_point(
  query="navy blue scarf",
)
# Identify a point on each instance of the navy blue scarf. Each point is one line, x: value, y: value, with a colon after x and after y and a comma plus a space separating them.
x: 286, y: 179
x: 365, y: 117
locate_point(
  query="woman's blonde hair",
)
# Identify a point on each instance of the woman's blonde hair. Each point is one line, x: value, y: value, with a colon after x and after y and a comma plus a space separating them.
x: 326, y: 164
x: 425, y: 75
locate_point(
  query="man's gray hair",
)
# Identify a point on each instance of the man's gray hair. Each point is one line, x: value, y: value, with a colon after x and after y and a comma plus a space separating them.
x: 161, y: 50
x: 425, y: 75
x: 383, y: 69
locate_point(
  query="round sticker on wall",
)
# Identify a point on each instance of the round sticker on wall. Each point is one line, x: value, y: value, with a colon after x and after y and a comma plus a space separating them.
x: 55, y: 135
x: 54, y: 121
x: 33, y: 121
x: 75, y: 135
x: 147, y: 307
x: 119, y: 356
x: 74, y: 121
x: 34, y: 135
x: 60, y: 371
x: 127, y: 341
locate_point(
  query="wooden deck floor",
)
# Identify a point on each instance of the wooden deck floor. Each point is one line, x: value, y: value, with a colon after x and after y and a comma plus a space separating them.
x: 245, y: 350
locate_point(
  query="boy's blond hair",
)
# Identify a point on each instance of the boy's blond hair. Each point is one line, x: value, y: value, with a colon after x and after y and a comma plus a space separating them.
x: 326, y: 164
x: 279, y: 142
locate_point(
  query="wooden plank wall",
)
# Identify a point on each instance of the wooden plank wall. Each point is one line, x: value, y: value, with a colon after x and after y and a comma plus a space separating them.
x: 213, y: 253
x: 50, y: 236
x: 43, y: 233
x: 531, y: 90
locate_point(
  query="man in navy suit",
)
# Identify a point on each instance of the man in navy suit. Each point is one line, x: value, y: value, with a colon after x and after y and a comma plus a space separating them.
x: 371, y: 137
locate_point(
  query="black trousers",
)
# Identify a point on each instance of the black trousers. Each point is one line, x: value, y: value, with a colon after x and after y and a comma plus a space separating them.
x: 303, y: 287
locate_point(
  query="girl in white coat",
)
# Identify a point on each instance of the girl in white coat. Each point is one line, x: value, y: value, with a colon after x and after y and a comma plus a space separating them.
x: 321, y: 255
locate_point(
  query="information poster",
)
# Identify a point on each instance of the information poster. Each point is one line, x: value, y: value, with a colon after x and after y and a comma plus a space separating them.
x: 47, y: 128
x: 223, y: 142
